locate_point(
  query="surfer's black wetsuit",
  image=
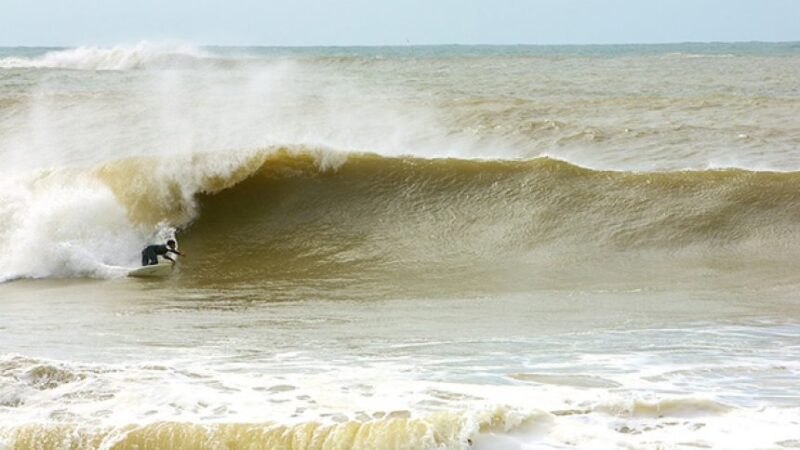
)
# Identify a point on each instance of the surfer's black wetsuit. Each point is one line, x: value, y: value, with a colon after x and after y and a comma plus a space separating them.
x: 151, y: 252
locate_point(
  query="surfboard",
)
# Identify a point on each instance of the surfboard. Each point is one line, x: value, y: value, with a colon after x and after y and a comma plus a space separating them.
x: 160, y: 270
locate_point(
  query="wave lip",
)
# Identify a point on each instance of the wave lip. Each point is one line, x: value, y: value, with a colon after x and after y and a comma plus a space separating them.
x: 143, y: 55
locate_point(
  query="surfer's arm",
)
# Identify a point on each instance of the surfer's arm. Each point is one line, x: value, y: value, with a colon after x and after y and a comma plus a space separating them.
x: 175, y: 251
x: 167, y: 257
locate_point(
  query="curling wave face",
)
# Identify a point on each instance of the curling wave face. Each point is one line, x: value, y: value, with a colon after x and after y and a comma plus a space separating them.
x: 364, y: 218
x: 514, y: 225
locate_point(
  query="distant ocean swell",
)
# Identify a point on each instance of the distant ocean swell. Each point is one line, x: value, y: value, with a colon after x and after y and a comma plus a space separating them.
x: 141, y: 56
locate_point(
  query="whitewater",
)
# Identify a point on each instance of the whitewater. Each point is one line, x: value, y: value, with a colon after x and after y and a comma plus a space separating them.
x: 401, y: 247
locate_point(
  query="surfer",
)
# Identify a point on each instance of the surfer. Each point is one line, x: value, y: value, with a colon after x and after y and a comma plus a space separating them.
x: 151, y: 252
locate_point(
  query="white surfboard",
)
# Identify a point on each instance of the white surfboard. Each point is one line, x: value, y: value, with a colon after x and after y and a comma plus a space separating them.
x: 160, y: 270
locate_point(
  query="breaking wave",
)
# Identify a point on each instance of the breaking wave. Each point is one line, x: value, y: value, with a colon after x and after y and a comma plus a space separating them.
x: 140, y: 56
x: 325, y: 214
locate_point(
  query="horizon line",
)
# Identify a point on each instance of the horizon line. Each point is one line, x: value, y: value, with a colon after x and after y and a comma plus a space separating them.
x: 184, y: 42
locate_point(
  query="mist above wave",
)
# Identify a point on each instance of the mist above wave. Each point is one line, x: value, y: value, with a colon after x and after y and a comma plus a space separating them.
x: 605, y: 113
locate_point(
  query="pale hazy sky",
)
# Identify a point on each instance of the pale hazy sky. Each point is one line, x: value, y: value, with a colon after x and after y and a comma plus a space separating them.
x: 388, y: 22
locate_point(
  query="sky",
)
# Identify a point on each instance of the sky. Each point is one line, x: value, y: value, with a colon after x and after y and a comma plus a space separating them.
x: 392, y: 22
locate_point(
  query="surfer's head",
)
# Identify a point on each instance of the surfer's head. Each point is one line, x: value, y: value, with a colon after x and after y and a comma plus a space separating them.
x: 171, y: 243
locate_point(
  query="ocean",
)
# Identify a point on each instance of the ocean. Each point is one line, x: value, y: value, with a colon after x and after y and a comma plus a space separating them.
x: 436, y: 247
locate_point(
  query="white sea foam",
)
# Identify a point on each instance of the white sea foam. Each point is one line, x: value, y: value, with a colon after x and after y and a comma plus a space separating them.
x: 62, y: 225
x: 108, y: 397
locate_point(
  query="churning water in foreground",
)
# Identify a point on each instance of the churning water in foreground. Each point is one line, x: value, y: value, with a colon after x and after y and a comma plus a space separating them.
x: 422, y: 247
